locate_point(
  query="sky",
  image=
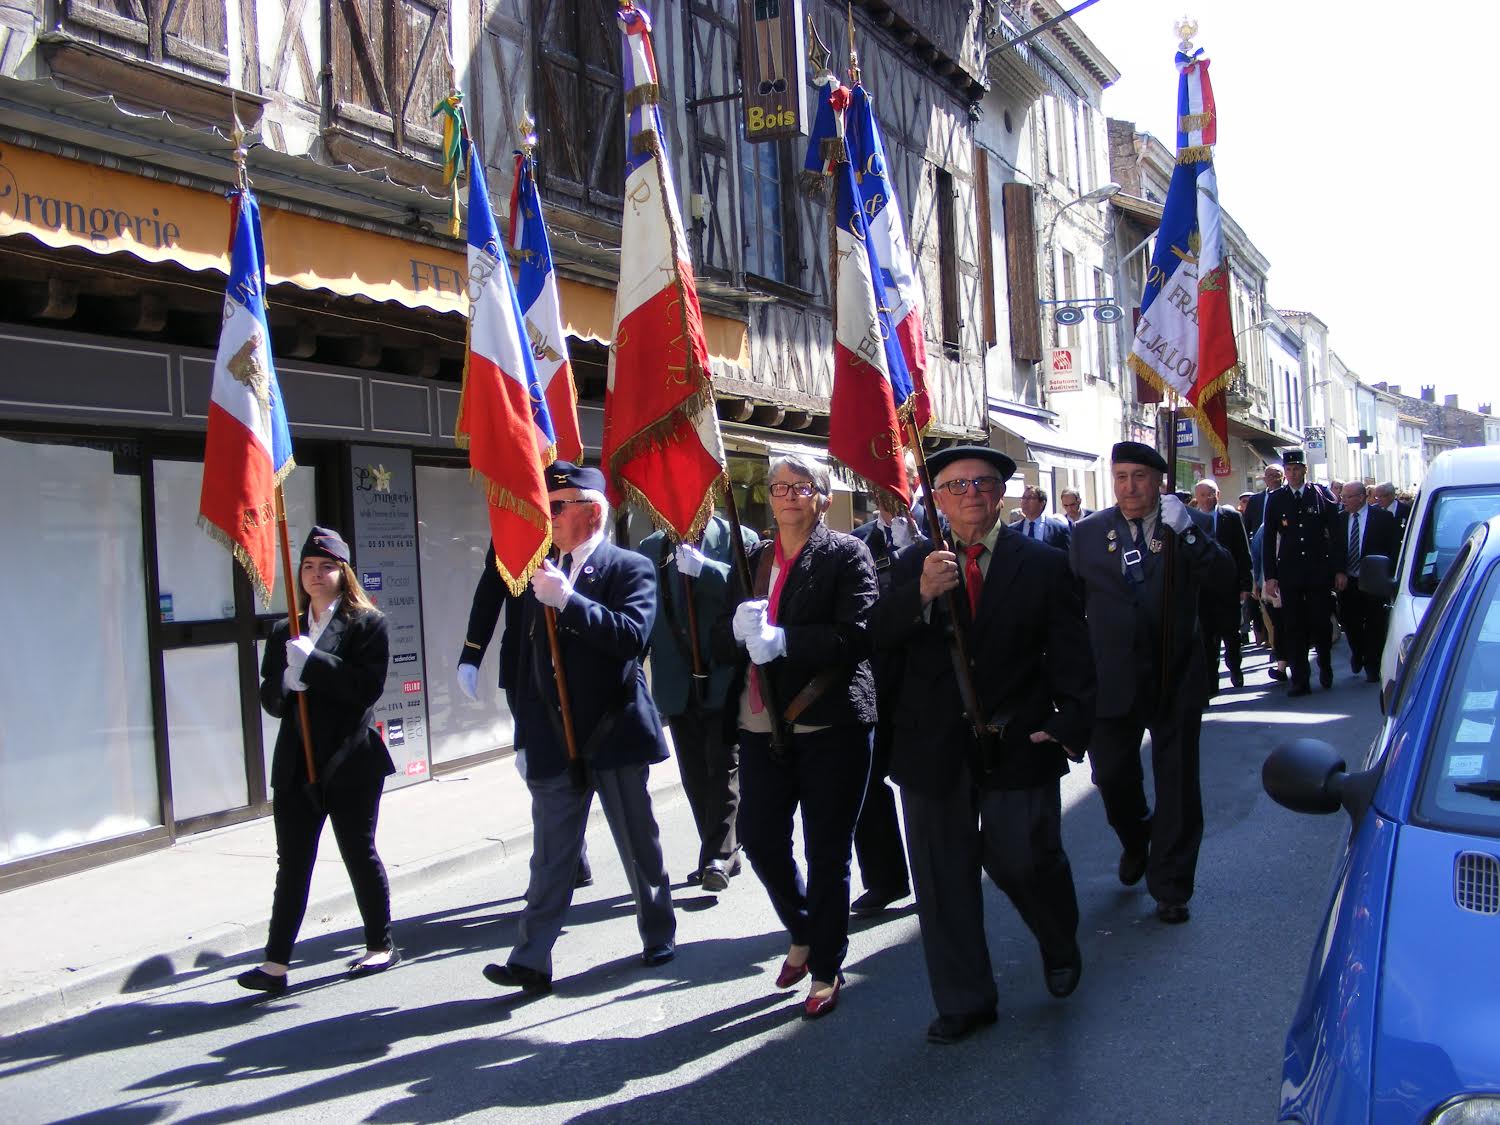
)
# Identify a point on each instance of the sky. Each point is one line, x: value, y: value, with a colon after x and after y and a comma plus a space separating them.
x: 1355, y: 149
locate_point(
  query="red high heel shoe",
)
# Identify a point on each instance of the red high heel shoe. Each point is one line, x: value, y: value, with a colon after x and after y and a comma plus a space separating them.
x: 821, y: 1005
x: 790, y: 974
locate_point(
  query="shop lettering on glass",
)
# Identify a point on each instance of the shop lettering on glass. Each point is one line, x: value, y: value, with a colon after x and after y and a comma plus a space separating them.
x: 772, y: 50
x: 376, y: 480
x: 88, y: 218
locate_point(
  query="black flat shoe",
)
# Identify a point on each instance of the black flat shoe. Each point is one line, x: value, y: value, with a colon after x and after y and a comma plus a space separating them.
x: 529, y: 981
x: 358, y: 968
x: 876, y: 902
x: 258, y: 980
x: 1132, y: 866
x: 951, y: 1029
x: 658, y: 954
x: 1173, y: 913
x: 1063, y: 979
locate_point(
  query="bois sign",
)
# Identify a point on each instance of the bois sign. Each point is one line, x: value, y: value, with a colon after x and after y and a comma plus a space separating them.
x: 772, y: 60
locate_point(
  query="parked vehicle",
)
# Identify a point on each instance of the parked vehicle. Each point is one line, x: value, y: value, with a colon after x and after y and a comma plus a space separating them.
x: 1461, y: 489
x: 1399, y: 1019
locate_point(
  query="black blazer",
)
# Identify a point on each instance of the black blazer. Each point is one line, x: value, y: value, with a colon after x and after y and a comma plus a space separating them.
x: 886, y: 663
x: 1033, y: 669
x: 1255, y: 512
x: 1126, y: 620
x: 1223, y: 607
x: 1298, y: 547
x: 345, y: 677
x: 603, y: 632
x: 825, y: 609
x: 1382, y: 537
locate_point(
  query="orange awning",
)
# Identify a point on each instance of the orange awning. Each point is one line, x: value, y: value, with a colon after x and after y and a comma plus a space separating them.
x: 64, y: 203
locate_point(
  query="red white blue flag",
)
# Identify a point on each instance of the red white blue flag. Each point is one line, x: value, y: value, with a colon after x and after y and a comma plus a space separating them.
x: 661, y: 448
x: 502, y: 412
x: 864, y: 428
x: 541, y: 309
x: 248, y: 451
x: 1184, y: 341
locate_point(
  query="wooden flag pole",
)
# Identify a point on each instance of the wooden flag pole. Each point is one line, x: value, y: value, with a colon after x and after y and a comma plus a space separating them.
x: 577, y: 770
x: 294, y: 631
x: 700, y: 676
x: 742, y: 568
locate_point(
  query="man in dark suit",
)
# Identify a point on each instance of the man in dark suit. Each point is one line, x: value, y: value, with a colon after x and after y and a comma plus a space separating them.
x: 877, y: 835
x: 708, y: 755
x: 1033, y: 524
x: 995, y: 806
x: 1363, y: 530
x: 1297, y: 556
x: 1149, y: 660
x: 1072, y: 505
x: 1219, y: 614
x: 604, y: 599
x: 1255, y: 510
x: 1385, y: 498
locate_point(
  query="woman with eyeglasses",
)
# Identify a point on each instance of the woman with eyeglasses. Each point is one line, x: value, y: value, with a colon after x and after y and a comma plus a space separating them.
x: 804, y: 636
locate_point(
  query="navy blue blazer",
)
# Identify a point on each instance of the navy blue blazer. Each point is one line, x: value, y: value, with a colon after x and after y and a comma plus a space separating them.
x: 1051, y: 530
x: 604, y: 632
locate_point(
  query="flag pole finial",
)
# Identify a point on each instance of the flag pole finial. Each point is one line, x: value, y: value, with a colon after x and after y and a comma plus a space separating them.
x: 1186, y: 27
x: 526, y: 126
x: 853, y: 54
x: 819, y: 57
x: 241, y: 152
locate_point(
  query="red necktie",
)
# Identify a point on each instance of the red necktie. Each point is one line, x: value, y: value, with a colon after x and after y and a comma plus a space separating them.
x: 973, y: 576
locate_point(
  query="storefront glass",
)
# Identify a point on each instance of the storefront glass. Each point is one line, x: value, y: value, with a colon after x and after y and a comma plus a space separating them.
x: 203, y: 730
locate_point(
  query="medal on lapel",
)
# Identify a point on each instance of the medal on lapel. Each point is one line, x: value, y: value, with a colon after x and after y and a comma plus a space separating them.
x: 1111, y: 536
x: 1154, y: 546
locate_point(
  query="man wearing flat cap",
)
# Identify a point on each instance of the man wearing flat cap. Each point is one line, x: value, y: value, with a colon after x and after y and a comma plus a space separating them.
x: 990, y: 806
x: 1298, y: 559
x: 605, y: 601
x: 1150, y: 664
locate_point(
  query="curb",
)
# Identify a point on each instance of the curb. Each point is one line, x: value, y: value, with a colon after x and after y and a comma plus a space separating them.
x: 124, y: 980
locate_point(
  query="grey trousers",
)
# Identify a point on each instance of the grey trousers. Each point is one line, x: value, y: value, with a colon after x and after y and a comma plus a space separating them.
x: 559, y: 818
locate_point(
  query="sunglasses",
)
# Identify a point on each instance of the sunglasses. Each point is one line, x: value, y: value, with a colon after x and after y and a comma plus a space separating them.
x: 560, y: 506
x: 958, y: 485
x: 801, y: 489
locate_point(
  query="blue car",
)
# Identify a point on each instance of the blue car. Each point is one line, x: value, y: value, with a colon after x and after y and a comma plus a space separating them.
x: 1399, y: 1019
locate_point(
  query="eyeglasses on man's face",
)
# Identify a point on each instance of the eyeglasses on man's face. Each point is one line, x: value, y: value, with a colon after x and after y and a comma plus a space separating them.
x: 801, y: 489
x: 958, y: 486
x: 561, y: 506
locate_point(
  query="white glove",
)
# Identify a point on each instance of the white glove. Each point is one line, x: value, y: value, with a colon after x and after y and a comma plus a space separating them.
x: 551, y: 586
x: 690, y: 560
x: 901, y: 532
x: 1174, y: 513
x: 748, y: 619
x: 468, y: 680
x: 290, y: 682
x: 766, y: 645
x: 297, y: 651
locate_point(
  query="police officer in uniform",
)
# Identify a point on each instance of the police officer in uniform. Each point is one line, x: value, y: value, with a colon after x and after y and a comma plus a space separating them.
x: 1298, y: 557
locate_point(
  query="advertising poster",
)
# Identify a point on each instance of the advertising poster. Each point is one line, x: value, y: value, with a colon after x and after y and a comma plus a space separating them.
x: 385, y: 555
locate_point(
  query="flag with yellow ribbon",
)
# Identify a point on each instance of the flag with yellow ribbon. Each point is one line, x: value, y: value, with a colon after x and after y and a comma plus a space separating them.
x: 450, y: 109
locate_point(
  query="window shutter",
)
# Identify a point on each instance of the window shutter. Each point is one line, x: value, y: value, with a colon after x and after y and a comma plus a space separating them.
x: 1020, y: 266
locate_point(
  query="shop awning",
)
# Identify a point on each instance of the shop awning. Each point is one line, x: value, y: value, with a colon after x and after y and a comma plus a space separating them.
x: 1050, y: 448
x: 66, y: 203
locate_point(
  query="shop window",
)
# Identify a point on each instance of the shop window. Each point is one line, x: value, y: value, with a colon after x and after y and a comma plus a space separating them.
x: 203, y: 730
x: 77, y: 753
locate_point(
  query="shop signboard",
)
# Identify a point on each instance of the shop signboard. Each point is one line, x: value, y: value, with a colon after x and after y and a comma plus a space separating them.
x: 1185, y: 434
x: 1062, y: 373
x: 385, y: 556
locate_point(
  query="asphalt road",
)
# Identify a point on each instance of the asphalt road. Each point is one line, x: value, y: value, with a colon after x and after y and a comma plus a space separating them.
x: 1170, y: 1024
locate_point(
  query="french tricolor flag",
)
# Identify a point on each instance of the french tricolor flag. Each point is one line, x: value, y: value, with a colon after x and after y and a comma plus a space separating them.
x: 248, y: 451
x: 536, y: 289
x: 502, y: 412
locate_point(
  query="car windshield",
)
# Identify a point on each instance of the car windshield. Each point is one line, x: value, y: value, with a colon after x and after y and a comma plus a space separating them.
x: 1451, y: 517
x: 1461, y: 789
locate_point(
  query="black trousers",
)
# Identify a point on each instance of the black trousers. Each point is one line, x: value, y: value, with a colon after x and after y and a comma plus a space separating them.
x: 825, y: 772
x: 1365, y: 620
x: 1174, y: 831
x: 877, y: 836
x: 1307, y: 618
x: 1014, y: 836
x: 354, y: 810
x: 710, y: 769
x: 1221, y: 626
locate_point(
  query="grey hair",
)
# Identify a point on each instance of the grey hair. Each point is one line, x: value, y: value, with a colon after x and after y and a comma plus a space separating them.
x: 1277, y: 465
x: 598, y: 498
x: 812, y: 470
x: 1386, y: 488
x: 1213, y: 484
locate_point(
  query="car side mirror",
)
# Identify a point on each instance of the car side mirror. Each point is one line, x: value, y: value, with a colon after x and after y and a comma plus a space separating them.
x: 1308, y: 775
x: 1375, y: 577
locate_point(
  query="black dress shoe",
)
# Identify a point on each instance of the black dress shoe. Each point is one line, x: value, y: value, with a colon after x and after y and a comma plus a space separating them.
x: 1275, y: 673
x: 258, y: 980
x: 1325, y: 677
x: 1173, y: 913
x: 1355, y: 664
x: 1237, y: 678
x: 585, y: 876
x: 1133, y: 866
x: 951, y: 1029
x: 358, y: 968
x: 695, y: 878
x: 1372, y: 677
x: 1298, y: 689
x: 529, y: 981
x: 658, y: 954
x: 1062, y: 979
x: 874, y: 902
x: 716, y: 876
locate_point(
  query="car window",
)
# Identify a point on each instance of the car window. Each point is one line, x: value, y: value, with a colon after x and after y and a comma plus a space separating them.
x: 1451, y: 517
x: 1431, y: 626
x: 1463, y: 762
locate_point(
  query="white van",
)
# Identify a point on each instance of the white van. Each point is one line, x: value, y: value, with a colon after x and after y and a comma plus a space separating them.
x: 1461, y: 489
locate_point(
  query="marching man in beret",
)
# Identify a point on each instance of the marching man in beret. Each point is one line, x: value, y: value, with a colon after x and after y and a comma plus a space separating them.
x: 1149, y: 658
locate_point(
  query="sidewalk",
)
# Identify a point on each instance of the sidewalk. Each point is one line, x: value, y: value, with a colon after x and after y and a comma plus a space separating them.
x: 101, y: 935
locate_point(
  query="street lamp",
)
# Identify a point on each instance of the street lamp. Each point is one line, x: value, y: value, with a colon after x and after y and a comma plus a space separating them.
x: 1098, y: 195
x: 1256, y: 327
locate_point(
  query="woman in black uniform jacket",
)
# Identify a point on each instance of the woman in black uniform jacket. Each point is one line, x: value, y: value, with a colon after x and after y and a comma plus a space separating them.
x: 339, y: 662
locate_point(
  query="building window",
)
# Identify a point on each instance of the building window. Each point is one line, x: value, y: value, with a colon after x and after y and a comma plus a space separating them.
x: 1103, y: 333
x: 578, y: 97
x: 763, y: 207
x: 1067, y: 289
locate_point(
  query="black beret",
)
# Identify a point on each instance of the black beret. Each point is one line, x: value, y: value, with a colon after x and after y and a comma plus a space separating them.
x: 1137, y: 453
x: 937, y: 462
x: 1294, y: 457
x: 326, y: 543
x: 565, y: 474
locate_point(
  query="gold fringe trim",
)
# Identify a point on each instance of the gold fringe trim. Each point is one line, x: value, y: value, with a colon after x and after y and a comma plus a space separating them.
x: 1195, y: 154
x: 705, y: 512
x: 242, y: 556
x: 1194, y: 122
x: 645, y: 143
x: 833, y: 150
x: 814, y: 184
x: 648, y: 93
x: 498, y: 496
x: 1148, y: 373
